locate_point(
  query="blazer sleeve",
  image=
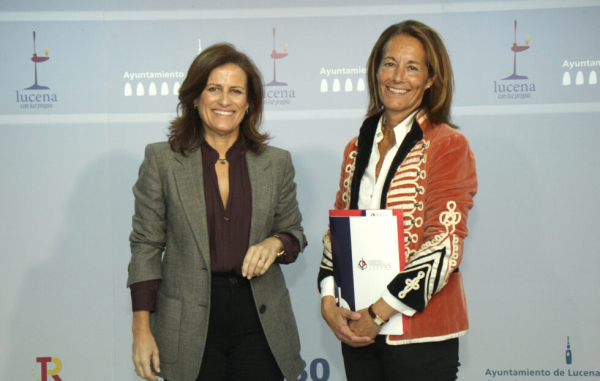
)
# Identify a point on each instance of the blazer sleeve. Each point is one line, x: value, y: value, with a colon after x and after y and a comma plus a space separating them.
x: 148, y: 237
x: 451, y: 186
x: 287, y: 216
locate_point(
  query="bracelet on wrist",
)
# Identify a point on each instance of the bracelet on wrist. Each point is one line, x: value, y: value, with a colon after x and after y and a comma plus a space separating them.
x: 282, y: 252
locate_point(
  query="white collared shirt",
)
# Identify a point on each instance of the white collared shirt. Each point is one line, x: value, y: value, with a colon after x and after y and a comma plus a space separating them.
x: 371, y: 190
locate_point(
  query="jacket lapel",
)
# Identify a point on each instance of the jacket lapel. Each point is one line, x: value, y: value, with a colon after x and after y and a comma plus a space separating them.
x: 366, y: 137
x: 261, y: 185
x: 412, y: 138
x: 190, y: 186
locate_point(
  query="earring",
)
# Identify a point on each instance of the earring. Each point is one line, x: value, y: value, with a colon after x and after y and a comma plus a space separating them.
x: 246, y: 111
x: 195, y: 107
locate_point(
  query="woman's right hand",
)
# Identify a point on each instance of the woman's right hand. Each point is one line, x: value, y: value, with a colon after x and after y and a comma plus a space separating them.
x: 145, y: 351
x: 337, y: 319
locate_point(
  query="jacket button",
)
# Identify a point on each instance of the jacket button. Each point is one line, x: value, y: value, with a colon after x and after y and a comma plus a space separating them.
x: 262, y: 309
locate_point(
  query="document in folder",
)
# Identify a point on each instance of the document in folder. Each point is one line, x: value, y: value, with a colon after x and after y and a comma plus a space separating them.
x: 368, y: 252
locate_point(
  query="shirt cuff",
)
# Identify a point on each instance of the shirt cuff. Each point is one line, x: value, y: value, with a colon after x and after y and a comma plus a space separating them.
x: 291, y: 247
x: 143, y: 295
x: 396, y: 304
x: 328, y: 287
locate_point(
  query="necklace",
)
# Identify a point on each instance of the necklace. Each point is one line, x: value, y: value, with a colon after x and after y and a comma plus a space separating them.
x: 385, y: 130
x: 223, y: 160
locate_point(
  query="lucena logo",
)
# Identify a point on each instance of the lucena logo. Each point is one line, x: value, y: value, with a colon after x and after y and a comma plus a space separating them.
x: 278, y: 93
x: 36, y: 96
x: 515, y: 88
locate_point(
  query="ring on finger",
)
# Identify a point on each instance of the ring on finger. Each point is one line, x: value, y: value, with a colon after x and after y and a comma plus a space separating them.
x: 263, y: 259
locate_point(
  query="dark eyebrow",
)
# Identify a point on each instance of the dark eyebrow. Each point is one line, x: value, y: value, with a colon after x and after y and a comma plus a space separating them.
x: 411, y: 62
x: 233, y: 87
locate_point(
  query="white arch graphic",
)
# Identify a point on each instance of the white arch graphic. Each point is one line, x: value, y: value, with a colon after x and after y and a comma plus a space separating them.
x: 324, y: 86
x: 152, y: 89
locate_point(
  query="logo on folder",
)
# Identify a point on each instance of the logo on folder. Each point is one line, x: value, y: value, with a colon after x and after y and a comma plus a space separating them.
x: 362, y: 264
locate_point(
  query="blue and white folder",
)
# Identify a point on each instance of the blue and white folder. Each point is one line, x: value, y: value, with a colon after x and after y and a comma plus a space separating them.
x: 368, y: 252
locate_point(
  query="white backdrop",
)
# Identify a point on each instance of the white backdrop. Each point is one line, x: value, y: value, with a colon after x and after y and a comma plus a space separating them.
x: 69, y: 155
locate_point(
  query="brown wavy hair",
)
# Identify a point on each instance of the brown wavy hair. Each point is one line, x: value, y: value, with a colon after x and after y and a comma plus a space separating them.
x: 438, y: 98
x: 186, y: 132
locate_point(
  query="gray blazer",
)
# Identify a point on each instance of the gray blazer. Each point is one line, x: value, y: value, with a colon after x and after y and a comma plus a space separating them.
x: 170, y: 217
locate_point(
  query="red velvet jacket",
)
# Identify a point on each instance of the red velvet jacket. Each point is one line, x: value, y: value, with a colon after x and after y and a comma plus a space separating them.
x: 433, y: 179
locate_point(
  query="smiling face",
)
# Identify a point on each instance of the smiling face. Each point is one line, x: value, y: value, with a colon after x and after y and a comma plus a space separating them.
x: 402, y: 77
x: 223, y: 103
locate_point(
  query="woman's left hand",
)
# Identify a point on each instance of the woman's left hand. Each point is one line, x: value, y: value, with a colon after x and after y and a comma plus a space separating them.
x: 260, y: 257
x: 365, y: 326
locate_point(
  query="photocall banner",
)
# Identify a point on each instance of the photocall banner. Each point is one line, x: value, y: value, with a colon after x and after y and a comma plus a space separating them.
x: 86, y: 86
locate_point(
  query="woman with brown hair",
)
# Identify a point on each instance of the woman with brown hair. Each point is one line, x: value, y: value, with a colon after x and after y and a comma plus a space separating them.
x: 215, y: 216
x: 408, y: 156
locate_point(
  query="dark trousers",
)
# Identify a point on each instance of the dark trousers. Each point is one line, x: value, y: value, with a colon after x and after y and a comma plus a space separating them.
x: 379, y: 361
x: 236, y: 346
